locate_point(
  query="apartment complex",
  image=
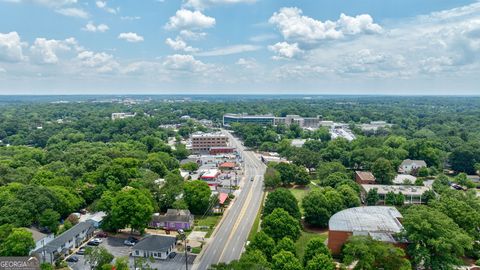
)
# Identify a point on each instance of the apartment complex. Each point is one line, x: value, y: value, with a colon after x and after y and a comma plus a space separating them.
x: 203, y: 142
x: 270, y: 119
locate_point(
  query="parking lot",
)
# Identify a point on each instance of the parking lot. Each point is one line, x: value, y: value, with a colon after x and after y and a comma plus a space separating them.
x: 116, y: 247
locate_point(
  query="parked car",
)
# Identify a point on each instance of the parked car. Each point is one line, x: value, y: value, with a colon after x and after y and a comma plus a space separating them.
x: 81, y: 251
x: 72, y: 259
x: 132, y: 239
x: 93, y: 243
x: 99, y: 240
x: 128, y: 243
x: 102, y: 234
x: 172, y: 255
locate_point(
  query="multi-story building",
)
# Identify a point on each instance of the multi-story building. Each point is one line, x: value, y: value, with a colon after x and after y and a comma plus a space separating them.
x: 122, y: 115
x: 203, y: 142
x: 270, y: 119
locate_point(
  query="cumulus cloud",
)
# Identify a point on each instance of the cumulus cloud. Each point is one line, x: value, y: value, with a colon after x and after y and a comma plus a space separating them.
x: 11, y: 47
x: 101, y: 62
x: 285, y: 50
x: 91, y: 27
x: 103, y: 5
x: 187, y: 19
x: 130, y: 37
x: 202, y: 4
x: 241, y: 48
x: 192, y: 35
x: 44, y: 51
x: 295, y: 27
x: 184, y: 62
x: 179, y: 45
x: 73, y: 12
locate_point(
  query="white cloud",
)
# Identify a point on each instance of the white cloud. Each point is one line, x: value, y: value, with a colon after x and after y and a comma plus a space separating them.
x: 130, y: 37
x: 262, y: 38
x: 130, y: 18
x: 187, y: 19
x: 44, y: 51
x: 11, y: 47
x: 296, y: 27
x: 179, y: 45
x: 192, y: 35
x: 103, y: 5
x: 241, y: 48
x: 183, y: 62
x: 248, y: 63
x: 73, y: 12
x: 202, y: 4
x: 101, y: 62
x: 286, y: 50
x: 91, y: 27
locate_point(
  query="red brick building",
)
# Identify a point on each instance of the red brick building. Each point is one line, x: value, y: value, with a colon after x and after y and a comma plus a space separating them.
x: 364, y: 178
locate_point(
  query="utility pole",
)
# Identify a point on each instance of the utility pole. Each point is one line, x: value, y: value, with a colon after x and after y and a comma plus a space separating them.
x: 184, y: 236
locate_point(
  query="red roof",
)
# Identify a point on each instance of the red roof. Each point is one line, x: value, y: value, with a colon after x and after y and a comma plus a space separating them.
x: 228, y: 165
x: 222, y: 197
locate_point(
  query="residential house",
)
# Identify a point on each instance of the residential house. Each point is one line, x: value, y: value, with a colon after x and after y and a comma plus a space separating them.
x: 41, y: 239
x: 409, y: 166
x: 364, y: 177
x: 154, y: 246
x: 174, y: 219
x: 65, y: 242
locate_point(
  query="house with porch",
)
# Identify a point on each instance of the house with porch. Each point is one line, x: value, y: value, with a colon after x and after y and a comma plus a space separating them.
x: 174, y: 219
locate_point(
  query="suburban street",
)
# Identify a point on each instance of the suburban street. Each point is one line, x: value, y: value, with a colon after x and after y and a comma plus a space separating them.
x: 228, y: 242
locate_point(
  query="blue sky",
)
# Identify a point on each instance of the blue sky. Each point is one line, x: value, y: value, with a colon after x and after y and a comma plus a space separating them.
x: 239, y: 46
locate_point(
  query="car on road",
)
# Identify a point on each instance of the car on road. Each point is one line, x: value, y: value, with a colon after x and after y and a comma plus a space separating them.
x: 99, y: 240
x: 251, y: 178
x: 129, y: 243
x: 133, y: 239
x: 172, y: 255
x: 72, y: 259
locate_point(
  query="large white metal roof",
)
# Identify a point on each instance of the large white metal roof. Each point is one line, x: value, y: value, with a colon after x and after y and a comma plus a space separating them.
x: 368, y: 219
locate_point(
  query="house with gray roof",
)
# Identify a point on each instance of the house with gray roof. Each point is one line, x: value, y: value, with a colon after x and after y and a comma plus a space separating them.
x: 174, y: 219
x: 65, y: 242
x: 40, y: 239
x: 409, y: 165
x: 154, y: 246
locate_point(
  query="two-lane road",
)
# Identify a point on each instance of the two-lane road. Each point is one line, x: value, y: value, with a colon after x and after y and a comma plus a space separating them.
x: 229, y: 240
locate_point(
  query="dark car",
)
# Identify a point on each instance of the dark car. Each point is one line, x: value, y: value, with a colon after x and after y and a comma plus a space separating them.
x: 102, y: 234
x: 172, y: 255
x: 72, y: 259
x: 132, y: 239
x: 81, y: 251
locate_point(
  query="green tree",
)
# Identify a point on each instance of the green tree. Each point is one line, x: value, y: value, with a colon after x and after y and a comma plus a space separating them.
x: 262, y: 242
x: 391, y: 198
x: 285, y: 260
x: 372, y: 197
x: 272, y: 177
x: 280, y: 224
x: 96, y: 257
x: 436, y: 241
x: 197, y: 196
x: 190, y: 166
x: 282, y: 198
x: 50, y: 219
x: 320, y: 204
x: 383, y: 171
x: 285, y: 244
x: 314, y: 247
x: 131, y: 208
x: 121, y: 263
x: 371, y: 254
x: 350, y: 196
x: 324, y: 169
x: 321, y: 262
x: 18, y: 243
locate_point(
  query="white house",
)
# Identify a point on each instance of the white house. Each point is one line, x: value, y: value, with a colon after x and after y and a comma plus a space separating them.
x: 154, y: 246
x: 41, y: 239
x: 409, y: 165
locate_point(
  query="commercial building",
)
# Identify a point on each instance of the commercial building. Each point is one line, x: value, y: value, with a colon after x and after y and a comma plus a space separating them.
x: 154, y: 246
x: 270, y: 119
x: 203, y: 142
x: 174, y: 219
x: 379, y: 222
x: 122, y: 115
x: 364, y: 178
x: 413, y: 194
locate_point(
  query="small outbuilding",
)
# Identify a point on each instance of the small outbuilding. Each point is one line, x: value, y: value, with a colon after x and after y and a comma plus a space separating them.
x: 364, y: 177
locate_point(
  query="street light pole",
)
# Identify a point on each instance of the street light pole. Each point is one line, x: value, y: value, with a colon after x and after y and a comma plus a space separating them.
x: 184, y: 236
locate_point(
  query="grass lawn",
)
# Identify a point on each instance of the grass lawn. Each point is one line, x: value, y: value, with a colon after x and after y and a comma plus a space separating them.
x: 303, y: 240
x: 208, y: 222
x: 301, y: 192
x: 196, y: 250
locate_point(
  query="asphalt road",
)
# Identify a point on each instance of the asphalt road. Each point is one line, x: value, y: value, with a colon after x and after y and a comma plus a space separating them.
x: 229, y: 240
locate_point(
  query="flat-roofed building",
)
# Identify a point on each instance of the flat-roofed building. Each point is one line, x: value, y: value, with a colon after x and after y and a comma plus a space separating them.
x: 267, y: 119
x: 122, y: 115
x: 203, y: 142
x: 413, y: 194
x: 379, y: 222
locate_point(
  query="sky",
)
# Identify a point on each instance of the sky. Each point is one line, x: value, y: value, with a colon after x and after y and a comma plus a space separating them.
x: 391, y: 47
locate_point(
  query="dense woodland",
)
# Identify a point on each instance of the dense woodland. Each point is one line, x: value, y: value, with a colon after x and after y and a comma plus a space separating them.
x: 58, y: 158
